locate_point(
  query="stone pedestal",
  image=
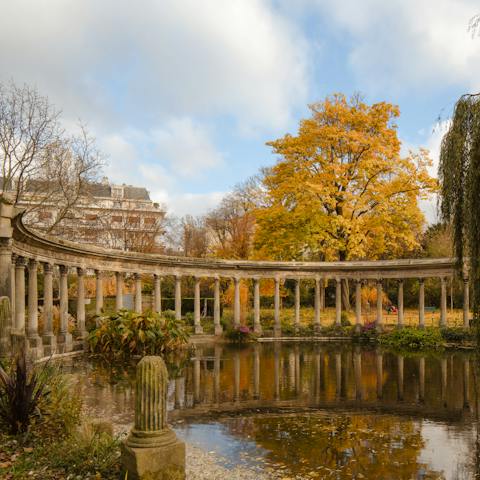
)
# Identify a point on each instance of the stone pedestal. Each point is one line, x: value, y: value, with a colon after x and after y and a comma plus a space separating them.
x: 5, y: 327
x: 64, y: 342
x: 49, y: 344
x: 152, y: 450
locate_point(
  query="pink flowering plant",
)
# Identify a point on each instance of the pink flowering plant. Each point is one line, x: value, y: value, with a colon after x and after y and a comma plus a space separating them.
x: 240, y: 334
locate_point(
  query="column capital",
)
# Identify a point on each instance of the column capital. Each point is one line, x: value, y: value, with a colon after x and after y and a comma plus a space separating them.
x: 157, y: 276
x: 443, y: 279
x: 421, y: 280
x: 137, y: 276
x: 338, y: 279
x: 63, y: 269
x: 14, y: 258
x: 47, y: 268
x: 400, y: 281
x: 359, y: 281
x: 99, y: 273
x: 465, y: 280
x: 81, y: 271
x: 119, y: 274
x: 32, y: 264
x: 20, y: 262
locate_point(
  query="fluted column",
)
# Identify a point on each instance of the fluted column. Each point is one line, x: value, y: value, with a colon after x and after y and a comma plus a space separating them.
x: 196, y: 307
x: 236, y: 302
x: 443, y: 302
x: 338, y: 302
x: 277, y: 328
x: 81, y: 302
x: 257, y: 326
x: 119, y: 276
x: 138, y: 292
x: 64, y: 337
x: 297, y: 304
x: 12, y: 287
x: 466, y: 303
x: 178, y: 297
x: 316, y: 319
x: 20, y: 295
x: 379, y: 319
x: 98, y: 292
x: 421, y: 303
x: 32, y: 328
x: 400, y: 304
x: 157, y: 293
x: 216, y: 307
x: 358, y: 305
x: 48, y: 338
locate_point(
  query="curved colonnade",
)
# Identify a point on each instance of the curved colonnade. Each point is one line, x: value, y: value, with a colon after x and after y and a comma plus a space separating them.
x: 22, y: 250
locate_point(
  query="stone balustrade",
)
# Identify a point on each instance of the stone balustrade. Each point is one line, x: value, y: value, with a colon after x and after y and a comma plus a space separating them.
x: 23, y: 252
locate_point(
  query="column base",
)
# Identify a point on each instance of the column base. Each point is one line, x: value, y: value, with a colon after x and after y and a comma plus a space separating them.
x: 277, y: 332
x: 358, y: 328
x: 257, y: 329
x: 379, y: 328
x: 218, y: 330
x: 64, y: 342
x: 166, y: 460
x: 35, y: 346
x: 49, y: 344
x: 198, y: 330
x: 19, y: 341
x: 317, y: 329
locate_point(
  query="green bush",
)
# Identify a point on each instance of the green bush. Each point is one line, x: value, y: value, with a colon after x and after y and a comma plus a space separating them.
x: 412, y: 339
x: 457, y: 334
x: 336, y: 331
x: 126, y: 333
x: 344, y: 320
x: 241, y: 334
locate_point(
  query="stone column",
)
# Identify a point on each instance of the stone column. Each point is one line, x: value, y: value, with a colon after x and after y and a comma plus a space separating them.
x: 236, y: 302
x: 119, y: 276
x: 81, y: 302
x: 400, y: 304
x: 297, y: 305
x: 65, y: 337
x: 257, y: 326
x: 400, y: 367
x: 49, y: 339
x: 379, y: 364
x: 277, y: 327
x: 443, y: 302
x: 157, y: 293
x: 216, y: 307
x: 138, y: 292
x: 316, y: 320
x: 152, y: 448
x: 421, y: 303
x: 7, y: 213
x: 358, y: 305
x: 12, y: 287
x: 196, y: 308
x: 379, y: 320
x: 466, y: 303
x: 196, y: 376
x: 338, y: 302
x: 98, y: 292
x: 34, y: 340
x: 20, y: 296
x: 178, y: 297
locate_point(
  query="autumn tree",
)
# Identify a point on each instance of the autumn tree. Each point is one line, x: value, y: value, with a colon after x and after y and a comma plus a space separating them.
x: 340, y: 189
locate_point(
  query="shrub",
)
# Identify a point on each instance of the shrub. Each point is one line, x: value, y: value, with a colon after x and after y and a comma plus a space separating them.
x: 239, y: 334
x: 457, y: 334
x: 336, y: 331
x: 412, y: 338
x: 126, y: 333
x: 345, y: 321
x: 368, y: 333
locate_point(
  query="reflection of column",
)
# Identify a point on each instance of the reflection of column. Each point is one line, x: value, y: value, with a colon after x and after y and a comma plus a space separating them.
x: 379, y: 363
x: 236, y: 302
x: 291, y: 369
x: 256, y: 371
x: 421, y: 379
x: 338, y: 302
x: 421, y: 302
x: 466, y: 383
x: 298, y: 381
x: 318, y: 374
x: 358, y: 304
x: 257, y: 326
x: 357, y: 366
x: 443, y: 365
x: 276, y: 362
x: 196, y: 307
x: 157, y: 293
x: 443, y: 302
x: 196, y: 377
x: 119, y: 292
x: 216, y: 373
x: 379, y: 320
x: 400, y: 365
x: 236, y: 376
x: 466, y: 303
x: 81, y: 302
x: 316, y: 319
x: 98, y: 292
x: 297, y: 304
x: 277, y: 328
x: 178, y: 297
x: 400, y: 303
x: 216, y: 307
x: 138, y: 292
x: 338, y: 374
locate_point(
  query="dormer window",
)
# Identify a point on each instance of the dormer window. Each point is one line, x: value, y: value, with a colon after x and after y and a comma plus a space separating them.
x: 117, y: 192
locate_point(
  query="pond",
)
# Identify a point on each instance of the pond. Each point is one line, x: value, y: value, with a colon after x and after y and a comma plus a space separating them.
x: 312, y: 410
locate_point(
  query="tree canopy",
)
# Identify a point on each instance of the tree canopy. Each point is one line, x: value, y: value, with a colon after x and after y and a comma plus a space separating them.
x: 341, y: 189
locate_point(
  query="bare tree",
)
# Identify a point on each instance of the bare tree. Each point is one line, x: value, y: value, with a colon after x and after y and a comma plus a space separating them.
x: 194, y: 236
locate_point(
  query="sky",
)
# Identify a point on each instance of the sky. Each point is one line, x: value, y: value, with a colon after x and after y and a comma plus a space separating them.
x: 182, y: 95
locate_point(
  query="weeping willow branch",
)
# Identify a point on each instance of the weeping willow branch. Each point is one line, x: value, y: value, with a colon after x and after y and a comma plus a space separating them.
x: 459, y: 173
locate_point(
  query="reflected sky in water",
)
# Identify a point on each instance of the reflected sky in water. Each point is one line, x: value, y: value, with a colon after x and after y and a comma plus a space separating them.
x: 317, y: 411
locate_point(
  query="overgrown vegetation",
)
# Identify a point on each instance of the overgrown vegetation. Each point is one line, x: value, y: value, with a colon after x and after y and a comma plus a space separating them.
x: 240, y: 334
x: 126, y: 333
x: 412, y: 339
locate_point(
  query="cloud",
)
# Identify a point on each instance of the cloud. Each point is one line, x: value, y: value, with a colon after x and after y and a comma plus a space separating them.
x: 406, y: 43
x: 108, y: 60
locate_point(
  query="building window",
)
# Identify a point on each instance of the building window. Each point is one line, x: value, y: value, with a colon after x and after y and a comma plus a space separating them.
x: 133, y: 220
x: 91, y: 217
x: 149, y: 221
x: 117, y: 192
x: 116, y: 219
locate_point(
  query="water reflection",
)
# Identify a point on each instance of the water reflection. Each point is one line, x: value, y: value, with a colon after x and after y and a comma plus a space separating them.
x: 328, y: 411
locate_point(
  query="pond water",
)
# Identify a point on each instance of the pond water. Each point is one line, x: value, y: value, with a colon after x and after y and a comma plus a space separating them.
x: 313, y: 410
